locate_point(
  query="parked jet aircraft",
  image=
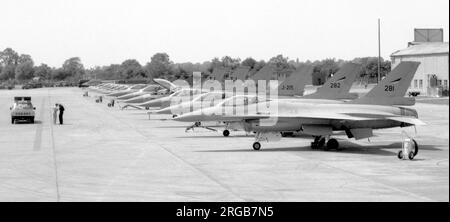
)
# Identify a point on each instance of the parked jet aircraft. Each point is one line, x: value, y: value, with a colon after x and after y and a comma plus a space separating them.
x: 150, y: 89
x: 130, y: 89
x: 356, y: 118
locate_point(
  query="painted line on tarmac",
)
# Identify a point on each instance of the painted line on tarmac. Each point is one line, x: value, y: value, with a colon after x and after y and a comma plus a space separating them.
x: 55, y: 165
x: 193, y: 167
x: 38, y: 136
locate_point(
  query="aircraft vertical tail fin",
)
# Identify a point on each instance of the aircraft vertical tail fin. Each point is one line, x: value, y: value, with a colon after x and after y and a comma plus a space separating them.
x: 295, y: 83
x: 338, y: 86
x: 392, y: 89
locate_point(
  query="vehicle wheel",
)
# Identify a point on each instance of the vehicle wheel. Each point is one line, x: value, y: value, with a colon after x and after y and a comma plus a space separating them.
x: 147, y: 108
x: 416, y: 148
x: 332, y: 144
x: 32, y: 120
x: 411, y: 155
x: 13, y: 121
x: 174, y: 116
x: 256, y: 146
x: 226, y: 133
x: 400, y: 154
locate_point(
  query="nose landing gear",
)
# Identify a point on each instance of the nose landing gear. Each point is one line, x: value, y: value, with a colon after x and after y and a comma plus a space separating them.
x: 410, y: 149
x: 256, y: 146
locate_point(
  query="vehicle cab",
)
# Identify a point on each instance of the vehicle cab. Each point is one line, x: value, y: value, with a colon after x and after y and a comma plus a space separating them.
x: 22, y: 109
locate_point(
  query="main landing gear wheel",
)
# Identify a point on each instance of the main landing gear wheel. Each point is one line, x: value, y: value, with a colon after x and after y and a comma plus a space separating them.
x: 332, y: 144
x: 318, y: 142
x: 256, y: 146
x: 286, y: 134
x: 226, y: 133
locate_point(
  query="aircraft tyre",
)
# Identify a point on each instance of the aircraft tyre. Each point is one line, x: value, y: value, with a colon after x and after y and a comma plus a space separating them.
x: 332, y: 144
x: 256, y: 146
x: 400, y: 154
x: 226, y: 133
x: 416, y: 147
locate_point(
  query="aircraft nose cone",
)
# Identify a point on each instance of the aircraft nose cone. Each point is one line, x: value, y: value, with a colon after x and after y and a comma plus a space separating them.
x: 164, y: 111
x: 189, y: 117
x: 134, y: 100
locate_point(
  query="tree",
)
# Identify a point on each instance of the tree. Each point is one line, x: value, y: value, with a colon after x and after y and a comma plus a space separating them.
x: 8, y: 72
x: 159, y: 66
x: 73, y: 68
x: 259, y: 65
x: 250, y: 62
x: 323, y: 69
x: 24, y: 71
x: 229, y: 62
x: 9, y: 57
x: 59, y: 74
x: 23, y: 58
x: 280, y: 62
x: 43, y: 72
x: 131, y: 69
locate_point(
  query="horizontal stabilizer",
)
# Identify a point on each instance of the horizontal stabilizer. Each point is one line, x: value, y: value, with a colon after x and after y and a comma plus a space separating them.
x: 409, y: 120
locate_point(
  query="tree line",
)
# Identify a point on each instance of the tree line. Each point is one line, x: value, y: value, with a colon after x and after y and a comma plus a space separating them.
x: 21, y: 68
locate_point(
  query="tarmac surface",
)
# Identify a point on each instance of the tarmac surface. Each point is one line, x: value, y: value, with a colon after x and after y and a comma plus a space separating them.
x: 108, y: 154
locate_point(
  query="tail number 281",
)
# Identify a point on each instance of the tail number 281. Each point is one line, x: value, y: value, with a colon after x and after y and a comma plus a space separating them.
x: 389, y: 88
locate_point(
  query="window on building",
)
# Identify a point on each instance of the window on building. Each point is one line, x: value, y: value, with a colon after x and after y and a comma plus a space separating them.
x: 439, y: 83
x: 415, y: 83
x: 445, y: 84
x: 420, y: 83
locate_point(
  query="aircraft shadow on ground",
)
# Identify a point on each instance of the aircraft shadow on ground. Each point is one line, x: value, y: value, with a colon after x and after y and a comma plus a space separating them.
x: 213, y: 136
x: 347, y: 148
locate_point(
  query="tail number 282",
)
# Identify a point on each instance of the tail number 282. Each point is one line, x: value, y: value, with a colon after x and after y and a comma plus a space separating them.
x: 336, y: 85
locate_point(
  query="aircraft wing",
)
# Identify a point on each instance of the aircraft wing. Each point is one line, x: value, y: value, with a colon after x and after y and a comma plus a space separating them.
x: 336, y: 116
x: 302, y: 116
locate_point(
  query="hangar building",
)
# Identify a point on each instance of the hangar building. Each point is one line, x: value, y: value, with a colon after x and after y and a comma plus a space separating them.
x: 431, y: 78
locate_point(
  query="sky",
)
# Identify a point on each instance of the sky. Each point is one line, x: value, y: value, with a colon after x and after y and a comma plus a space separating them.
x: 103, y: 32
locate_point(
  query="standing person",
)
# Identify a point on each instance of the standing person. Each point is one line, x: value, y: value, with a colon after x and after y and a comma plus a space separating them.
x: 61, y: 113
x: 55, y: 112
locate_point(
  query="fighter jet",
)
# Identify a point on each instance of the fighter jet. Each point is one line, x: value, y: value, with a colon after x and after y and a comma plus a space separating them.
x: 162, y: 96
x: 357, y: 118
x: 336, y: 87
x: 294, y: 85
x: 149, y: 89
x: 130, y: 89
x: 205, y: 100
x: 185, y: 94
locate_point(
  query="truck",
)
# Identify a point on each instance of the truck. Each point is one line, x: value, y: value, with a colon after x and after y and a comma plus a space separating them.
x: 22, y: 110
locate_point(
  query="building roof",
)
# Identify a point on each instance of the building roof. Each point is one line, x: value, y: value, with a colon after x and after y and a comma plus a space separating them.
x: 429, y: 48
